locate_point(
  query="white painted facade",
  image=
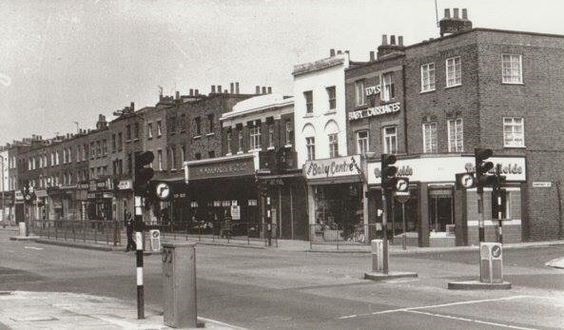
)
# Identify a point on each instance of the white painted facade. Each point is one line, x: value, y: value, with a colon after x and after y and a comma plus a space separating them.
x: 317, y: 77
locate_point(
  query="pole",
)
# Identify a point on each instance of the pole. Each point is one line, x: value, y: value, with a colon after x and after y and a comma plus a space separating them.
x: 404, y: 244
x: 481, y: 211
x: 3, y: 196
x: 385, y: 229
x: 139, y: 256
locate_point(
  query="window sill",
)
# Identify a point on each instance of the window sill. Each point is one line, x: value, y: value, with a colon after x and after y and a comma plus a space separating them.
x: 514, y: 147
x: 255, y: 150
x: 427, y: 92
x: 453, y: 86
x: 288, y: 146
x: 210, y: 134
x: 228, y: 154
x: 270, y: 148
x: 239, y: 152
x: 328, y: 113
x: 308, y: 115
x: 513, y: 83
x: 197, y: 137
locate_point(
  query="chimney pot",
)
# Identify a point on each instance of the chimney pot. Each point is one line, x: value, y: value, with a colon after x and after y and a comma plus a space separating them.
x: 331, y: 52
x: 455, y: 12
x: 213, y: 88
x: 132, y: 106
x: 237, y: 88
x: 400, y: 40
x: 384, y: 40
x: 269, y: 90
x: 263, y: 90
x: 191, y: 92
x: 392, y: 39
x: 464, y: 13
x: 339, y: 52
x: 219, y: 89
x: 372, y: 56
x: 196, y: 92
x: 257, y: 90
x: 231, y: 88
x: 177, y: 95
x: 447, y: 12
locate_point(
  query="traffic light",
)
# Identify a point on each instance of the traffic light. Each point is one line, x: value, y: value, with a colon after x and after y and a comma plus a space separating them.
x: 388, y: 172
x: 482, y: 168
x: 143, y: 174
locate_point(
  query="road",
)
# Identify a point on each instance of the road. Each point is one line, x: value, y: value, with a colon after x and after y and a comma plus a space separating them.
x: 277, y: 289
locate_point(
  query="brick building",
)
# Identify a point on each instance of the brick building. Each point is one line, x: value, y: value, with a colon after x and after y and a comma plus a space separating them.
x: 433, y: 102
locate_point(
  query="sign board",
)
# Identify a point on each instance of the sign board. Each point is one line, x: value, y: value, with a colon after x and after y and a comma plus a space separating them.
x: 402, y: 196
x: 540, y: 184
x: 219, y: 168
x: 125, y: 185
x: 332, y: 167
x: 19, y: 195
x: 41, y: 193
x: 235, y: 212
x: 107, y: 195
x: 374, y: 111
x: 371, y: 90
x: 444, y: 169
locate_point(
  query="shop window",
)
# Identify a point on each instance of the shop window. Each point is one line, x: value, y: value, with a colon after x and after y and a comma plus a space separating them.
x: 333, y: 145
x: 310, y: 145
x: 511, y: 68
x: 453, y: 72
x: 360, y: 100
x: 455, y: 135
x: 390, y: 139
x: 428, y: 77
x: 430, y: 138
x: 513, y: 132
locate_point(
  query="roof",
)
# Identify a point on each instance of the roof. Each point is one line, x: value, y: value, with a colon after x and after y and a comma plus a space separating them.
x: 258, y: 103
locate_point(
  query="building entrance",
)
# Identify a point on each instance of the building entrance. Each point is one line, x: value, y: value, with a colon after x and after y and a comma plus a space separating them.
x: 441, y: 216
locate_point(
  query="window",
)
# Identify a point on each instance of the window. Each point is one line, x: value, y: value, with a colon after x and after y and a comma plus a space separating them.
x: 310, y: 145
x: 428, y: 77
x: 430, y: 138
x: 360, y: 100
x: 160, y: 159
x: 114, y: 143
x: 362, y: 142
x: 332, y: 96
x: 289, y: 132
x: 98, y: 149
x: 159, y: 128
x: 85, y: 151
x: 182, y: 123
x: 198, y: 124
x: 390, y: 139
x: 211, y: 154
x: 128, y: 133
x: 387, y: 87
x: 511, y: 69
x: 240, y: 138
x: 104, y: 148
x: 228, y: 139
x: 210, y: 122
x: 182, y: 155
x: 455, y: 135
x: 173, y: 157
x: 271, y: 136
x: 254, y: 134
x: 333, y: 145
x: 309, y: 101
x: 150, y: 130
x: 57, y: 158
x: 198, y: 156
x: 453, y: 72
x: 513, y: 132
x: 120, y: 142
x: 136, y: 131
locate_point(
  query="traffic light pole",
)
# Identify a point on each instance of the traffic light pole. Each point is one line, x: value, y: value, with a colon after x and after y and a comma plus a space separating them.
x: 481, y: 232
x: 385, y: 268
x: 139, y: 256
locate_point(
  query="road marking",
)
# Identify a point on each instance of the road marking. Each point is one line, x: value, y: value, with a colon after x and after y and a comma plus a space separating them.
x: 33, y: 248
x: 470, y: 320
x: 434, y: 306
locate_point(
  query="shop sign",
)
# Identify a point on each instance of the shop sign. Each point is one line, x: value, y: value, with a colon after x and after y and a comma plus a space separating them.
x: 91, y: 195
x: 19, y: 195
x: 82, y: 186
x: 541, y: 184
x: 41, y: 193
x: 444, y: 169
x: 92, y: 186
x: 221, y: 168
x: 179, y: 195
x: 274, y: 182
x: 371, y: 90
x: 332, y: 167
x: 375, y: 111
x: 107, y: 195
x: 235, y: 212
x: 125, y: 185
x: 101, y: 185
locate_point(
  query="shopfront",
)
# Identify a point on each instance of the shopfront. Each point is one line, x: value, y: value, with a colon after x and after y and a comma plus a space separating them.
x: 437, y: 214
x: 100, y: 199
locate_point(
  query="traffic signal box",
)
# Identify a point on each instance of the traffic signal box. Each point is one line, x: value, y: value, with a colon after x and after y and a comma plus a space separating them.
x: 143, y: 174
x: 483, y: 179
x: 390, y: 182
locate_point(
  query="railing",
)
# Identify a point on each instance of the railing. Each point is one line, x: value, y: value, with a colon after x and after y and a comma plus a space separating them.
x: 97, y: 231
x: 348, y: 235
x: 227, y: 232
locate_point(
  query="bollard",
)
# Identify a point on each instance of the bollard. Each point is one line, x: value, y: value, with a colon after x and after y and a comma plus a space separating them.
x: 179, y: 284
x: 22, y: 229
x: 377, y: 247
x: 491, y: 263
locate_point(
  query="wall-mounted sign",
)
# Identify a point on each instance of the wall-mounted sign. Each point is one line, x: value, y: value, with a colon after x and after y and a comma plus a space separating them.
x: 375, y: 111
x: 542, y: 184
x: 221, y: 168
x: 332, y: 167
x: 371, y: 90
x: 444, y: 169
x: 40, y: 193
x: 235, y: 212
x: 125, y: 185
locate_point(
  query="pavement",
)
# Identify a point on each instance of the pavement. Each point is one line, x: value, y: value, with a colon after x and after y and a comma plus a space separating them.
x: 56, y: 310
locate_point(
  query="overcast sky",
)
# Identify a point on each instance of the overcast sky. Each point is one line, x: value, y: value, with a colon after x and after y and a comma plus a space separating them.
x: 67, y: 61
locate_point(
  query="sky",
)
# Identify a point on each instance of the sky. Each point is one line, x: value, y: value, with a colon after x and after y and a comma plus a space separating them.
x: 64, y: 62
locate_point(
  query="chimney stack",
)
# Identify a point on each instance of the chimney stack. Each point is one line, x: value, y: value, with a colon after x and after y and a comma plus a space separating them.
x: 237, y: 88
x: 447, y: 12
x: 219, y: 90
x: 372, y: 58
x: 455, y: 24
x: 257, y: 90
x: 191, y: 92
x: 263, y: 90
x: 455, y: 13
x: 464, y: 13
x: 132, y: 106
x: 392, y: 39
x: 331, y: 52
x: 269, y: 90
x: 400, y: 41
x: 196, y: 92
x: 213, y: 88
x: 384, y: 40
x: 386, y: 49
x: 231, y: 88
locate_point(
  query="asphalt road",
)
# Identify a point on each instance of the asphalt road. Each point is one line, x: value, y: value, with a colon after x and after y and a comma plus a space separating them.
x: 277, y: 289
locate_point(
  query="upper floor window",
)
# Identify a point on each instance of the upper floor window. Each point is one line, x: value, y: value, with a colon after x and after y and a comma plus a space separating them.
x: 387, y: 92
x: 428, y: 77
x: 455, y: 135
x: 333, y: 145
x: 453, y: 71
x: 289, y: 132
x: 150, y: 130
x: 430, y: 138
x: 159, y: 128
x: 332, y: 96
x: 182, y: 123
x: 136, y: 131
x: 513, y: 132
x: 172, y: 157
x: 120, y: 142
x: 360, y: 100
x: 211, y: 154
x: 310, y: 145
x: 128, y: 132
x: 228, y: 141
x: 160, y: 159
x: 511, y: 69
x: 362, y: 142
x: 172, y: 125
x: 254, y: 133
x: 211, y: 119
x: 104, y: 148
x: 198, y: 156
x: 240, y: 139
x: 271, y: 136
x: 114, y: 143
x: 309, y: 101
x: 390, y: 139
x: 198, y: 124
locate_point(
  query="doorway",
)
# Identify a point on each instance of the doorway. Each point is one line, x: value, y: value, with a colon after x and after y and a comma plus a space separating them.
x: 441, y: 210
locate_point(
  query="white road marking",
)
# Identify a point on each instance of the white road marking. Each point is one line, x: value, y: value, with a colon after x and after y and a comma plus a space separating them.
x: 457, y: 318
x: 33, y: 248
x: 434, y: 306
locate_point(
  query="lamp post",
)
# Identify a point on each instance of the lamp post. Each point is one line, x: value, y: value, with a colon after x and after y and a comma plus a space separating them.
x: 3, y: 196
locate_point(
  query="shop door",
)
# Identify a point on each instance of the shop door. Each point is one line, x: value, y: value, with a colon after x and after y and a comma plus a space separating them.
x: 440, y: 210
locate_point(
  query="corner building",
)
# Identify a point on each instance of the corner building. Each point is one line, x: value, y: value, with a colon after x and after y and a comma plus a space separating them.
x: 470, y: 88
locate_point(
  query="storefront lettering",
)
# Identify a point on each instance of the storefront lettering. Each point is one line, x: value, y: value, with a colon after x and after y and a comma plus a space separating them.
x: 402, y: 171
x: 332, y: 167
x: 201, y: 171
x: 370, y: 90
x: 375, y: 111
x: 505, y: 169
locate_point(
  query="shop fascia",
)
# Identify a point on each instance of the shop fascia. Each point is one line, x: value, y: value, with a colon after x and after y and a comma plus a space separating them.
x: 443, y: 169
x: 375, y: 111
x: 332, y: 167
